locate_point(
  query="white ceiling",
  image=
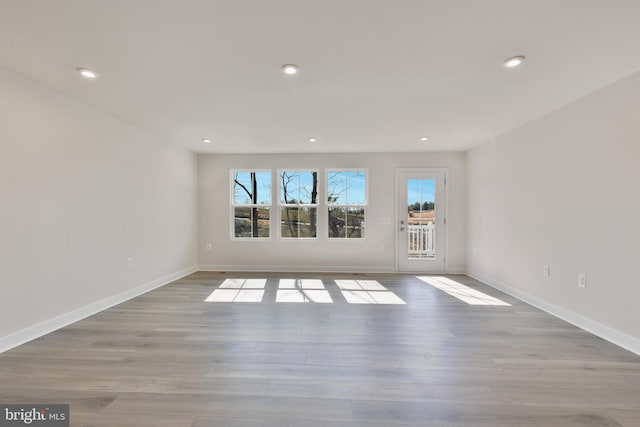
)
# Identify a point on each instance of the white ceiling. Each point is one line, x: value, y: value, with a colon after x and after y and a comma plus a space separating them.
x: 376, y: 74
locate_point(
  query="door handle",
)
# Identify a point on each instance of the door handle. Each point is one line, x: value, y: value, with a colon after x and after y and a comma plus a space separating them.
x: 401, y: 228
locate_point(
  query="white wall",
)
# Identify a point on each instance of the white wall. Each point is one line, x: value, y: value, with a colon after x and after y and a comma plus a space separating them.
x: 375, y: 253
x: 564, y: 191
x: 80, y: 192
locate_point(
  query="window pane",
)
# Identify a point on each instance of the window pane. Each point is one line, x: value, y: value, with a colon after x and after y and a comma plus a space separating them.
x: 307, y: 222
x: 347, y: 188
x: 337, y: 187
x: 264, y: 221
x: 242, y: 221
x: 308, y: 188
x: 289, y: 222
x: 289, y: 187
x: 298, y: 187
x: 263, y: 180
x: 299, y: 222
x: 337, y: 222
x: 356, y: 188
x: 355, y: 223
x: 251, y: 222
x: 242, y: 188
x: 246, y: 183
x: 346, y: 223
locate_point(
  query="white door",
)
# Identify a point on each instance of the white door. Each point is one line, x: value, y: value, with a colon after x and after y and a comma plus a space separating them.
x: 421, y: 220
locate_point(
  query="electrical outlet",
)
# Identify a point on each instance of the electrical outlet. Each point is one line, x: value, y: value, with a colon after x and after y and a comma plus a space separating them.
x: 209, y: 247
x: 130, y: 263
x: 582, y: 280
x: 546, y: 271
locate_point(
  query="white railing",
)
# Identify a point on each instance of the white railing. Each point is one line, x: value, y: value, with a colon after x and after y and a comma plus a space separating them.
x: 422, y: 240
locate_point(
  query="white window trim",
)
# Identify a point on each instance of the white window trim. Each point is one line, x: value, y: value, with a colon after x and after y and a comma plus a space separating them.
x: 280, y: 205
x: 232, y: 205
x: 329, y: 205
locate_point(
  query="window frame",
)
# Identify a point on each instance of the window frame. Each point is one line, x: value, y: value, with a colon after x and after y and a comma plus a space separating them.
x: 233, y: 205
x: 280, y: 205
x: 364, y: 206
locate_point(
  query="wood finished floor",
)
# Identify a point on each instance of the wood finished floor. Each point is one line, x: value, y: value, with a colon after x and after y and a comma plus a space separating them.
x: 168, y: 358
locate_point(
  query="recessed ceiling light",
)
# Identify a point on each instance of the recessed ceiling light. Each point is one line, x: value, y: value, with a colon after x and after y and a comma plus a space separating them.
x: 313, y: 139
x: 87, y: 73
x: 206, y: 141
x: 290, y: 69
x: 514, y: 61
x: 424, y: 138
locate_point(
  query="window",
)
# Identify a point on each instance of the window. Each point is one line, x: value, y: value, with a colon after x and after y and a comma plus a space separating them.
x: 298, y: 204
x: 251, y: 203
x: 347, y: 202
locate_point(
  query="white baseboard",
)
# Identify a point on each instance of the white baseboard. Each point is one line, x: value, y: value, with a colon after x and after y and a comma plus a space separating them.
x: 21, y: 337
x: 605, y: 332
x: 297, y: 268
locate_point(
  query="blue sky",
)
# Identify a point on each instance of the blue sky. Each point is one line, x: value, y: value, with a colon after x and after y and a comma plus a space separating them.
x: 349, y: 187
x: 263, y: 180
x: 420, y: 190
x: 299, y: 186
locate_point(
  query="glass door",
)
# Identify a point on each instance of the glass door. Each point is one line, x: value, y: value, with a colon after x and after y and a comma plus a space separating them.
x: 421, y: 220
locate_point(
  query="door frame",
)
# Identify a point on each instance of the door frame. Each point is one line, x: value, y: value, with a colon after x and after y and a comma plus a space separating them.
x: 398, y: 251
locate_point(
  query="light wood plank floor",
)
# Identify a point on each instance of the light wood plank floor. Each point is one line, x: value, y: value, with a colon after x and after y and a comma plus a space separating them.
x: 168, y: 358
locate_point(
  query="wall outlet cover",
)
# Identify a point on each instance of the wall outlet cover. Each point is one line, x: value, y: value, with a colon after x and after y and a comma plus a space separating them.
x: 582, y: 280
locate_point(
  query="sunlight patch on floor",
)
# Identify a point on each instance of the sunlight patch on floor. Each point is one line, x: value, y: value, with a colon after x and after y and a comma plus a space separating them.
x: 367, y: 292
x: 300, y: 284
x: 303, y: 290
x: 244, y: 283
x: 462, y: 292
x: 298, y: 295
x: 239, y: 290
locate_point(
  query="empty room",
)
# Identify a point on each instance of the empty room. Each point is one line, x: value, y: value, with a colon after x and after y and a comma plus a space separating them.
x: 286, y: 213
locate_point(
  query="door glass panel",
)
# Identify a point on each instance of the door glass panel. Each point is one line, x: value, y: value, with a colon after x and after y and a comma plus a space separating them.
x: 421, y: 219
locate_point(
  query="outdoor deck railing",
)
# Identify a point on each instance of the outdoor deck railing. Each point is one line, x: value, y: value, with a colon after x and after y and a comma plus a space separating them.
x: 422, y: 239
